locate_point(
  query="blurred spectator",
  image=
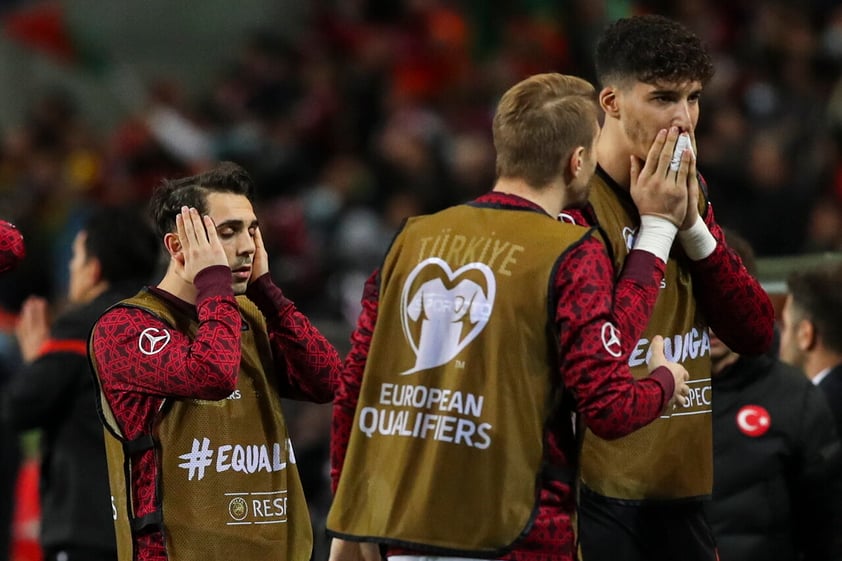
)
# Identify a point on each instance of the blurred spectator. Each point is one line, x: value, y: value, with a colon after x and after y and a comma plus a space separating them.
x: 405, y: 90
x: 777, y: 491
x: 114, y: 254
x: 824, y: 231
x: 811, y: 330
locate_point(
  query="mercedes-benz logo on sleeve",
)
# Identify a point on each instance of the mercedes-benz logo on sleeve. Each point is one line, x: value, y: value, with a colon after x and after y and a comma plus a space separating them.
x: 611, y: 339
x: 153, y: 340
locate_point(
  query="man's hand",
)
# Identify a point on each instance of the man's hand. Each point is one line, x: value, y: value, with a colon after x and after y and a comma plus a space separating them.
x: 679, y: 373
x: 260, y: 263
x: 692, y: 196
x: 344, y: 550
x: 200, y: 246
x: 657, y: 190
x: 33, y: 327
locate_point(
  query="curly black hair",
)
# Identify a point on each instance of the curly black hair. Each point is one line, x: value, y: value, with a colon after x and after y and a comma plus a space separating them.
x: 651, y: 49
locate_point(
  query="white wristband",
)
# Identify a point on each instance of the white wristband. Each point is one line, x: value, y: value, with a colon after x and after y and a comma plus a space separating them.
x: 697, y: 241
x: 656, y: 236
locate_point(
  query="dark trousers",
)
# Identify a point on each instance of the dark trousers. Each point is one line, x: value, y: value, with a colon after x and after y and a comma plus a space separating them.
x: 622, y: 531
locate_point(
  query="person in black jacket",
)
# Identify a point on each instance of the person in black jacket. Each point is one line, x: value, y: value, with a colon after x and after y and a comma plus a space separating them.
x: 113, y: 255
x: 811, y: 330
x: 777, y: 493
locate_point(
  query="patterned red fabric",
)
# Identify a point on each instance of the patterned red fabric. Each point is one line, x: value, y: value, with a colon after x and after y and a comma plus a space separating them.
x: 12, y: 248
x: 737, y: 308
x: 606, y: 397
x: 734, y: 303
x: 204, y: 368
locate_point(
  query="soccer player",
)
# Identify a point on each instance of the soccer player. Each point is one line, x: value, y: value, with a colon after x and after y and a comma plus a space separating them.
x: 641, y: 495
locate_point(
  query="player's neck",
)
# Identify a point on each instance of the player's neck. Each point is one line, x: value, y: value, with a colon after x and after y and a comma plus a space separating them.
x: 178, y: 287
x: 613, y: 156
x: 547, y: 198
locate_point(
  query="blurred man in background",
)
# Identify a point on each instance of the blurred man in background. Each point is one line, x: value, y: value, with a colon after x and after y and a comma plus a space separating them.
x: 114, y: 254
x: 777, y: 491
x: 811, y: 330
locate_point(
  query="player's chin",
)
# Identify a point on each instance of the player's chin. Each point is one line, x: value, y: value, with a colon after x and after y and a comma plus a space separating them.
x: 239, y: 286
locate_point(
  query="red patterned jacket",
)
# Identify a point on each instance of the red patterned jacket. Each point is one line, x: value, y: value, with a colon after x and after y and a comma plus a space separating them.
x: 307, y: 365
x: 604, y: 395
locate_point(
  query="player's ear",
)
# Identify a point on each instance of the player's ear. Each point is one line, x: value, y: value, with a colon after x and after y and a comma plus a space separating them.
x: 576, y: 161
x: 805, y: 334
x: 173, y: 244
x: 609, y: 102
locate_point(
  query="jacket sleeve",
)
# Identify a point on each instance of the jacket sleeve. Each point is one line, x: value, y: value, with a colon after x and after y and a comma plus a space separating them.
x: 169, y: 364
x: 817, y: 482
x: 350, y: 379
x: 635, y: 294
x: 637, y: 286
x: 737, y: 308
x: 307, y: 365
x: 593, y: 357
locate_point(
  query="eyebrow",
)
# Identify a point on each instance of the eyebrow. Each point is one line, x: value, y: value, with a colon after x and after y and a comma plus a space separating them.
x: 674, y: 91
x: 236, y: 224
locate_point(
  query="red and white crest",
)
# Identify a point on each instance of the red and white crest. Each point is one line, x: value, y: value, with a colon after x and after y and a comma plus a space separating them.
x: 753, y: 420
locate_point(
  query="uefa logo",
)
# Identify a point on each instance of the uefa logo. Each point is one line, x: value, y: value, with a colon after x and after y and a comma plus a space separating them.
x: 237, y: 508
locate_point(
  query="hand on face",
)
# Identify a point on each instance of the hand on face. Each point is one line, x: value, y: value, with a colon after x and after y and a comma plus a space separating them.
x: 200, y: 245
x: 260, y: 264
x: 692, y: 196
x: 657, y: 190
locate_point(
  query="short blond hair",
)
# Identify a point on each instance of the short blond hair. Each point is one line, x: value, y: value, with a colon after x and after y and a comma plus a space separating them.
x: 538, y: 124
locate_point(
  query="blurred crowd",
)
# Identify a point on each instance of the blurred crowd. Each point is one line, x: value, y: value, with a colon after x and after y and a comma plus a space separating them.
x: 381, y: 109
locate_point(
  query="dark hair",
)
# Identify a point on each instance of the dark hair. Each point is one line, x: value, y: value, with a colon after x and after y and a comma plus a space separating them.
x: 816, y: 294
x: 124, y: 242
x: 651, y: 49
x: 172, y: 194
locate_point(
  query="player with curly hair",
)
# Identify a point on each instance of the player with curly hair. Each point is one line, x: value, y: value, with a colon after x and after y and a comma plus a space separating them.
x: 641, y: 495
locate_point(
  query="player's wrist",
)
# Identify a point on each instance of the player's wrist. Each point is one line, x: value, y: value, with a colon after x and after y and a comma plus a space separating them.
x: 656, y: 236
x: 697, y: 241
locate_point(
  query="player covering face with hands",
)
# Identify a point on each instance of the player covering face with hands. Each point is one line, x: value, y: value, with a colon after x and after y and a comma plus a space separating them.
x: 641, y: 495
x: 192, y: 372
x: 234, y: 241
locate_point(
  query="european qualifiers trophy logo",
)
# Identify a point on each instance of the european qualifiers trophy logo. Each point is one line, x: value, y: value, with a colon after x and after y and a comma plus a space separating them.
x: 443, y: 310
